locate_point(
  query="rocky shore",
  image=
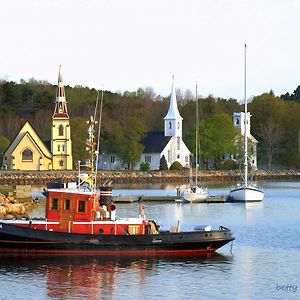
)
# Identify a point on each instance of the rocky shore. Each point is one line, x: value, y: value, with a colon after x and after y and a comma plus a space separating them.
x: 47, y: 177
x: 13, y: 208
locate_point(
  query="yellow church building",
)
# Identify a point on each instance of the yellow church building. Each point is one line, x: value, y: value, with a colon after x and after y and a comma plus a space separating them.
x: 28, y: 152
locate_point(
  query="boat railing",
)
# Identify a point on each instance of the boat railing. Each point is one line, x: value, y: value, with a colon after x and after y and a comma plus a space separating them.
x: 224, y: 228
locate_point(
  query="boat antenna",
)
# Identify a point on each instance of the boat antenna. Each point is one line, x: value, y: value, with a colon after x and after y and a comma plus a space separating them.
x: 197, y: 125
x: 99, y: 132
x: 245, y: 121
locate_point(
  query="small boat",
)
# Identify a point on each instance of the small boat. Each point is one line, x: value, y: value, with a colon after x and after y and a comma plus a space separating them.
x: 246, y: 191
x: 80, y: 221
x: 195, y: 193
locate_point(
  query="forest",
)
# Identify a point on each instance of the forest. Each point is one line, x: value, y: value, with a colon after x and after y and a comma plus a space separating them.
x: 127, y: 116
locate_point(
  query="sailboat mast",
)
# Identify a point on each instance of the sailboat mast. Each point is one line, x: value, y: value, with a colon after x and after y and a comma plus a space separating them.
x: 245, y: 123
x: 197, y: 128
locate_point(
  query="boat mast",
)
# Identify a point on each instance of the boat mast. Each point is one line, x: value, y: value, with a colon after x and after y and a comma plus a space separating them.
x: 197, y: 128
x: 98, y: 138
x: 245, y: 124
x: 90, y: 146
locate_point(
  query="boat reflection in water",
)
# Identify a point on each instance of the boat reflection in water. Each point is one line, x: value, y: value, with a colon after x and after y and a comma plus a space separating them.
x: 86, y: 277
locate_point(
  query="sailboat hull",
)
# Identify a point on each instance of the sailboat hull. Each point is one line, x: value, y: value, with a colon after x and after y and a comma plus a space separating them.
x: 246, y: 194
x: 195, y: 195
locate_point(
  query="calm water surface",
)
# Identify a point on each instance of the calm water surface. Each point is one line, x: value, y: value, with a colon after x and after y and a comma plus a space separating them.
x: 264, y: 263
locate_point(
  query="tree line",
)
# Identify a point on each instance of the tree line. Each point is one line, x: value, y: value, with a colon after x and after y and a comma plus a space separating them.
x: 128, y: 116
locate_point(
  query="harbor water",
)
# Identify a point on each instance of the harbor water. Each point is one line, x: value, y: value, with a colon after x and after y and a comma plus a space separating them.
x: 262, y: 263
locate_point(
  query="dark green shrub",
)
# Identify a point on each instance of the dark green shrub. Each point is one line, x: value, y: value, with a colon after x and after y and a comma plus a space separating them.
x: 144, y: 167
x: 163, y: 165
x: 176, y: 165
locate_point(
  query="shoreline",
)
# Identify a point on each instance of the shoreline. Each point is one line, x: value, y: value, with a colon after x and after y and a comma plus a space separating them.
x: 47, y: 177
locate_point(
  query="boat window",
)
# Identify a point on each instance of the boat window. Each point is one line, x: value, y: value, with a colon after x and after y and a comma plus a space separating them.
x: 67, y: 204
x: 81, y: 206
x: 54, y: 203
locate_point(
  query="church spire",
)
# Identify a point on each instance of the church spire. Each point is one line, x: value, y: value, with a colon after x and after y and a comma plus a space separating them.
x: 173, y: 119
x: 173, y: 112
x: 61, y: 108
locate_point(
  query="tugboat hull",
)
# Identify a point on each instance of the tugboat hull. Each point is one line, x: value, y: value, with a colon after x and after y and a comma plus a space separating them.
x: 15, y: 239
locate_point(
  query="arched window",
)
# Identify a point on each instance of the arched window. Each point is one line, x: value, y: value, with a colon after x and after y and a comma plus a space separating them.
x: 61, y: 130
x: 58, y: 148
x: 27, y: 155
x: 237, y: 122
x: 178, y: 143
x: 170, y: 125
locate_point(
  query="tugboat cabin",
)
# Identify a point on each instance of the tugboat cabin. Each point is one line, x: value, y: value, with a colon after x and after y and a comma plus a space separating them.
x: 80, y: 212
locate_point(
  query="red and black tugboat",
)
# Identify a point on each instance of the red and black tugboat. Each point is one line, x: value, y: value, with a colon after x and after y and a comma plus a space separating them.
x: 80, y: 221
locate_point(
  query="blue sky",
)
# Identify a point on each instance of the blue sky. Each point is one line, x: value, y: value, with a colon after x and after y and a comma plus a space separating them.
x: 123, y: 45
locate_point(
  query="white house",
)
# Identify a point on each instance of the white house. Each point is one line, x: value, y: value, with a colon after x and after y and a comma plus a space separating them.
x: 238, y: 122
x: 156, y: 144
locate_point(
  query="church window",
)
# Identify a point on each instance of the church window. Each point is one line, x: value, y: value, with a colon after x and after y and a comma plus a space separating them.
x: 178, y: 143
x: 148, y: 159
x: 61, y: 130
x: 61, y: 163
x: 27, y: 155
x: 170, y: 125
x: 60, y: 109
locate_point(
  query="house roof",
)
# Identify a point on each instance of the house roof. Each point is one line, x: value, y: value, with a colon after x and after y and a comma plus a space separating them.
x: 27, y: 130
x: 155, y: 142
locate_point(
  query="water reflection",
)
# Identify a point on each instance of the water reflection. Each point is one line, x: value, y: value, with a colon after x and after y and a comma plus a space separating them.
x: 253, y: 210
x: 97, y: 277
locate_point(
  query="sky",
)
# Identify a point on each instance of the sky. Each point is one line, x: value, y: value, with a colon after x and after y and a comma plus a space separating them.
x: 123, y: 45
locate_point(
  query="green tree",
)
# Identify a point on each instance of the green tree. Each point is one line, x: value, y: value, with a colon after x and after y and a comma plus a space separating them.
x: 217, y: 136
x: 270, y: 124
x: 126, y: 141
x: 163, y: 165
x: 78, y: 135
x: 4, y: 143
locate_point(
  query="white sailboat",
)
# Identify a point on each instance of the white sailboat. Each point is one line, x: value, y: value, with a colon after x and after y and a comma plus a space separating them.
x: 195, y: 193
x: 246, y: 191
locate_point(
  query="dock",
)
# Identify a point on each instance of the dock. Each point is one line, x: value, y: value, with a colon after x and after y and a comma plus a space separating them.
x: 169, y: 198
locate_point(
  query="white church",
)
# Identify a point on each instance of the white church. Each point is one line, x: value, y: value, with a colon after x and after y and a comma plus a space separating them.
x: 157, y: 144
x: 238, y: 123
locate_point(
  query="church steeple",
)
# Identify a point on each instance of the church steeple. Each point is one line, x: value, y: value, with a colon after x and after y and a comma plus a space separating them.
x: 61, y: 108
x: 61, y: 144
x: 173, y: 119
